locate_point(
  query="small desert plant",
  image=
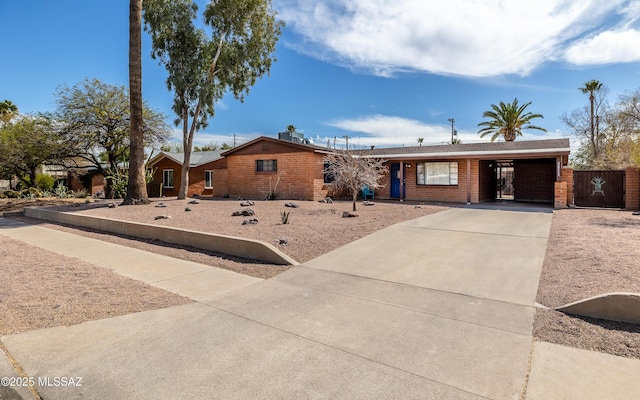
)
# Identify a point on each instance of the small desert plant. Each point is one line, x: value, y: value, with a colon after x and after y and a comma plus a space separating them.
x: 284, y: 217
x: 119, y: 181
x: 12, y: 194
x: 31, y: 193
x: 272, y: 194
x: 62, y: 192
x: 45, y: 182
x: 80, y: 194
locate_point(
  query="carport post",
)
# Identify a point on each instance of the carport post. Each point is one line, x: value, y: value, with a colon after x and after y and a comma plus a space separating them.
x: 468, y: 181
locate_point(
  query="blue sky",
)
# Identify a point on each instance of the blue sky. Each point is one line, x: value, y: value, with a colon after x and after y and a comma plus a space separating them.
x: 381, y: 72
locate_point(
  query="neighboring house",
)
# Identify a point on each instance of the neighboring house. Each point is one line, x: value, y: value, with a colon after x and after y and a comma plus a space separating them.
x: 474, y: 173
x: 292, y: 170
x: 207, y: 174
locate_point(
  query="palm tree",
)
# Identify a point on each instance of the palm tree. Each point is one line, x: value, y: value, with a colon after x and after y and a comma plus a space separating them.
x: 591, y: 87
x: 136, y: 187
x: 7, y: 111
x: 420, y: 140
x: 508, y: 120
x: 291, y: 128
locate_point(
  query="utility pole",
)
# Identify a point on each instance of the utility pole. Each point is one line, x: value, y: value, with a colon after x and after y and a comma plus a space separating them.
x: 346, y: 138
x: 453, y: 122
x: 234, y: 140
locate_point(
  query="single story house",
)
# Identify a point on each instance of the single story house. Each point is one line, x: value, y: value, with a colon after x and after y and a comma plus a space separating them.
x: 207, y: 174
x: 475, y: 172
x: 472, y: 173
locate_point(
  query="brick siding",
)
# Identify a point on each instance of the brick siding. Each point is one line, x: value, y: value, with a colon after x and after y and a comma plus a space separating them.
x: 567, y: 177
x: 632, y: 189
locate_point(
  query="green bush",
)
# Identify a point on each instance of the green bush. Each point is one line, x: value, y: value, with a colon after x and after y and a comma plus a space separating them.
x: 12, y: 194
x: 31, y: 193
x: 80, y: 194
x: 45, y: 182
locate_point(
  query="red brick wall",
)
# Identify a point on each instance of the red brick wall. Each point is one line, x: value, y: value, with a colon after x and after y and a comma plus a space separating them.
x: 196, y: 179
x: 300, y: 174
x: 155, y: 188
x: 443, y: 193
x: 97, y: 184
x: 567, y: 177
x: 560, y: 195
x: 534, y: 180
x: 632, y: 189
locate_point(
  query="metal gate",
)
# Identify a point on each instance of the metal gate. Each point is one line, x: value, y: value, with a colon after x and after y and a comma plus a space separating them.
x: 598, y: 188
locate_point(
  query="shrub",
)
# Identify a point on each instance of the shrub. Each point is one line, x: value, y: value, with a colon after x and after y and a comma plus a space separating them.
x: 62, y: 192
x: 80, y: 194
x: 12, y: 194
x: 44, y: 182
x: 284, y: 217
x: 31, y: 193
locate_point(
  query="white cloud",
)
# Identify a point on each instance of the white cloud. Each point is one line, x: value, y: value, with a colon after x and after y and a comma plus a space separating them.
x: 475, y: 38
x: 392, y: 131
x: 606, y: 47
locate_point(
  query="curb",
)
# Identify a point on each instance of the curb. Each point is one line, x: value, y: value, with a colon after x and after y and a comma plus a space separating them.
x: 240, y: 247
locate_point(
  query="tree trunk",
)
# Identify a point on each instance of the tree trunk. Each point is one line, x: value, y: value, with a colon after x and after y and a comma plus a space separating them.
x: 509, y: 136
x: 355, y: 199
x: 184, y: 172
x: 136, y: 186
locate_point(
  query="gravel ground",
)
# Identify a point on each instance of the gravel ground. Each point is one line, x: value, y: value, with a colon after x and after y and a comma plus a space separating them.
x: 590, y: 252
x: 314, y: 228
x: 41, y: 289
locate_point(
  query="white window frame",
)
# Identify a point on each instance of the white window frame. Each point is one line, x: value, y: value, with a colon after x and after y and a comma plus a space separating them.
x: 167, y: 175
x: 208, y: 183
x: 437, y: 173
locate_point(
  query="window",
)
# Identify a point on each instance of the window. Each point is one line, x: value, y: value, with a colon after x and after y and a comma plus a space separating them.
x: 208, y: 179
x: 437, y: 173
x: 266, y: 165
x: 328, y: 177
x: 167, y: 178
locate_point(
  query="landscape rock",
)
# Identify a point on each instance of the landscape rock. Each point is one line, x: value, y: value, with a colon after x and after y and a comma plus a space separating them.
x: 162, y: 217
x: 327, y: 200
x: 112, y: 205
x: 251, y: 221
x: 244, y: 213
x: 247, y: 203
x: 160, y: 205
x: 282, y: 241
x: 368, y: 203
x: 347, y: 214
x: 187, y: 209
x: 194, y: 202
x: 291, y: 205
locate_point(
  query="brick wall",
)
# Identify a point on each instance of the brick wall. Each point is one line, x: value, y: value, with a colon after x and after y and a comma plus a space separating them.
x: 196, y: 179
x: 300, y: 174
x: 457, y: 193
x: 155, y: 188
x: 567, y: 177
x: 534, y: 180
x: 560, y: 195
x: 632, y: 189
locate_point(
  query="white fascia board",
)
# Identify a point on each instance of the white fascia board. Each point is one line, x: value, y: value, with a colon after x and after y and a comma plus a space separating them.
x: 472, y: 154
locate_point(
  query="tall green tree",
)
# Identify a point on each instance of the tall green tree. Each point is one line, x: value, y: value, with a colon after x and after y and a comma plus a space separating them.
x: 96, y: 118
x: 591, y: 87
x: 508, y: 120
x: 29, y: 143
x: 202, y: 68
x: 136, y: 185
x: 8, y: 110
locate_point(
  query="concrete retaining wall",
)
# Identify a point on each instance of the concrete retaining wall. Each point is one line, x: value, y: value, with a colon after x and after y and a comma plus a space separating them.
x: 247, y: 248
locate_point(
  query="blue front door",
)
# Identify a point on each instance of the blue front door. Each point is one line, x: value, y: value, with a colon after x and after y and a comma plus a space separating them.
x: 396, y: 179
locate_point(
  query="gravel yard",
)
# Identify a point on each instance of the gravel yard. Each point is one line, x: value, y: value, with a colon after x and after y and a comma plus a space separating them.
x: 589, y: 252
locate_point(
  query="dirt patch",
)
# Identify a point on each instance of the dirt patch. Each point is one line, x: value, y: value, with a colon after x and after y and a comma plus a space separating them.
x: 589, y: 252
x: 41, y: 289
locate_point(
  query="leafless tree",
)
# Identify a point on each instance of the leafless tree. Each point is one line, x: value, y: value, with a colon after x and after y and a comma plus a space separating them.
x: 351, y: 170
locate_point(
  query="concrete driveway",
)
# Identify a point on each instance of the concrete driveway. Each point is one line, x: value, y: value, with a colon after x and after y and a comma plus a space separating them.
x: 440, y: 307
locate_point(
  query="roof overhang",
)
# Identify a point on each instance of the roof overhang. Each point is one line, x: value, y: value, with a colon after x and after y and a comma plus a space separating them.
x: 525, y: 153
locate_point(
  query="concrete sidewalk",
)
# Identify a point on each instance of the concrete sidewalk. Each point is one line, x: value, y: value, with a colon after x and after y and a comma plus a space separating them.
x: 197, y: 281
x: 440, y: 307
